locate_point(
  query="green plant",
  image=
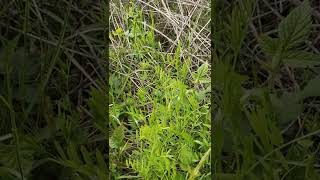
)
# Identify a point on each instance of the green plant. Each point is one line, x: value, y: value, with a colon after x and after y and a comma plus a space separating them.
x: 159, y: 106
x: 252, y: 118
x: 49, y: 52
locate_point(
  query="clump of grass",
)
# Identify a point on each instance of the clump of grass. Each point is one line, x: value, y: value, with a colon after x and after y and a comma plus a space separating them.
x: 49, y: 61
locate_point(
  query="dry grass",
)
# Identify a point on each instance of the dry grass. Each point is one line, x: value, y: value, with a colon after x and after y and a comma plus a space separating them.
x: 175, y: 21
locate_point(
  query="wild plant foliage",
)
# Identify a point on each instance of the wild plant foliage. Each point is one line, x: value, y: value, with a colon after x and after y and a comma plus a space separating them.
x: 48, y: 130
x: 159, y: 105
x: 251, y: 136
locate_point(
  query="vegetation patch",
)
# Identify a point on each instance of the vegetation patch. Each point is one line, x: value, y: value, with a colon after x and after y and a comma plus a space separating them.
x: 265, y: 79
x: 160, y: 102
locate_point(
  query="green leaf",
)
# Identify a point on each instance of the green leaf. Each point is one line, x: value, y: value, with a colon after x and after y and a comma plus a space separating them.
x: 275, y: 136
x: 287, y: 107
x: 184, y: 70
x: 302, y: 59
x: 223, y: 74
x: 86, y: 156
x: 295, y: 28
x: 117, y: 137
x: 98, y: 104
x: 311, y: 89
x: 60, y: 150
x: 259, y: 124
x: 73, y: 154
x: 269, y: 45
x: 239, y: 21
x: 101, y: 164
x: 306, y: 143
x: 28, y: 147
x: 177, y: 55
x: 186, y: 155
x: 201, y: 73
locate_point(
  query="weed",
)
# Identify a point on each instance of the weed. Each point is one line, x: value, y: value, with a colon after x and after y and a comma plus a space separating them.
x: 252, y: 140
x: 48, y: 59
x: 159, y: 107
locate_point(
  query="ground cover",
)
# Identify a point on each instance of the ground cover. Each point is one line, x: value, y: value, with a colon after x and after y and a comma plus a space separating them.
x: 265, y: 87
x: 159, y: 92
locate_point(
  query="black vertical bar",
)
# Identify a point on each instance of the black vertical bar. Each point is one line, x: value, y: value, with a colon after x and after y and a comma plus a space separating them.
x: 106, y: 56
